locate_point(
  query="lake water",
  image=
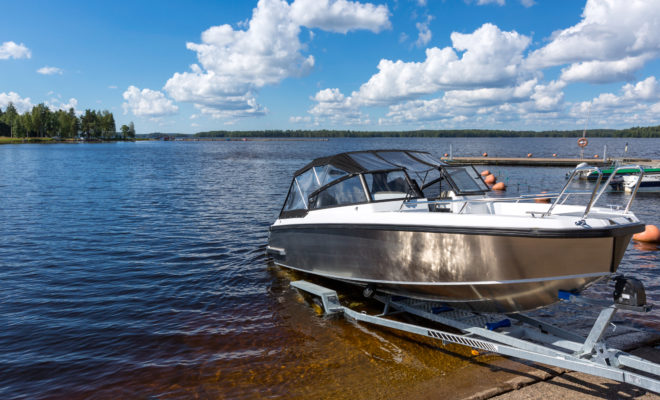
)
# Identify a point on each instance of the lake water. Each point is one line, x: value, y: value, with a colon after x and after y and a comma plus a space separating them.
x: 138, y: 270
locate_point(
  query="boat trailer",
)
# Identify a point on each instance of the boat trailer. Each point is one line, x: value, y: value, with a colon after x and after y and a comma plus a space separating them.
x: 517, y: 335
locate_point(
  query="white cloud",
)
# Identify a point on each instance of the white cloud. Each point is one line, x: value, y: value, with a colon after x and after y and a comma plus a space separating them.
x: 56, y: 104
x: 340, y: 15
x: 22, y: 104
x: 491, y: 58
x: 49, y: 70
x: 235, y: 63
x: 636, y: 104
x: 613, y: 40
x: 300, y: 120
x: 425, y: 34
x: 527, y: 3
x: 12, y: 50
x: 147, y: 102
x: 604, y: 71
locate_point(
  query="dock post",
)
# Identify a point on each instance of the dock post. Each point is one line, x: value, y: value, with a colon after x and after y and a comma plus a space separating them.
x: 451, y: 152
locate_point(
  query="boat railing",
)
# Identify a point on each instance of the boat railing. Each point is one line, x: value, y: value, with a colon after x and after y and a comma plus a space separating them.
x: 467, y: 201
x: 559, y: 198
x: 595, y: 194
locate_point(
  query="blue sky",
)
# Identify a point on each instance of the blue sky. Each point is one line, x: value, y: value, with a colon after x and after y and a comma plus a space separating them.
x: 338, y: 64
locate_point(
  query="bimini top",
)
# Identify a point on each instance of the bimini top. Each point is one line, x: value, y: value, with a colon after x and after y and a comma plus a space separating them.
x: 377, y: 160
x: 375, y: 175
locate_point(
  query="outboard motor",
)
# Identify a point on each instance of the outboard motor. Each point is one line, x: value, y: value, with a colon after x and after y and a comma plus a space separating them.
x: 629, y: 292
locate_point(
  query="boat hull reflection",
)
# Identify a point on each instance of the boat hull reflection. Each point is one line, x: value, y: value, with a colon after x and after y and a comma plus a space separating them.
x: 489, y: 272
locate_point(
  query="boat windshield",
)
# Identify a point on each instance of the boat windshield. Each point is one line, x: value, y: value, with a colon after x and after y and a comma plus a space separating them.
x: 466, y: 180
x: 363, y: 176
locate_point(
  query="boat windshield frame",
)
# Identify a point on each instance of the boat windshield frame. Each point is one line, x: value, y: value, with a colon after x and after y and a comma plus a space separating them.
x: 413, y: 189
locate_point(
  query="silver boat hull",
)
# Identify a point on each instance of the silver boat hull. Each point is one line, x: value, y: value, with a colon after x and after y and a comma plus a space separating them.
x: 488, y: 271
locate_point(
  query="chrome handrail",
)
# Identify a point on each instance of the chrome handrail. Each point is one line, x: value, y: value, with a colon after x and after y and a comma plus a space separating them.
x: 580, y: 167
x: 633, y: 194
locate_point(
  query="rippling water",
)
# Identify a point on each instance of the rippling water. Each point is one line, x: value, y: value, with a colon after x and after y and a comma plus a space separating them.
x: 138, y: 270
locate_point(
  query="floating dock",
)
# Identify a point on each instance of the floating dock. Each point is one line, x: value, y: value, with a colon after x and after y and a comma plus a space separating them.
x: 543, y: 162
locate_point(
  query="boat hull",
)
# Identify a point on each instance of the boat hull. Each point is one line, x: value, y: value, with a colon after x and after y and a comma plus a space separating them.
x: 484, y: 270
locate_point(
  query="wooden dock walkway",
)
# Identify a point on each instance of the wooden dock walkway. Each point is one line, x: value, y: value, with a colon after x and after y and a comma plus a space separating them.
x: 543, y: 162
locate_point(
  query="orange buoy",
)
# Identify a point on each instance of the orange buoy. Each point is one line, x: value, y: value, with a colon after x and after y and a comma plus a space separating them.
x: 554, y: 154
x: 485, y: 172
x: 485, y: 154
x: 651, y: 234
x: 595, y: 155
x: 499, y: 186
x: 490, y: 179
x: 529, y: 155
x: 542, y: 199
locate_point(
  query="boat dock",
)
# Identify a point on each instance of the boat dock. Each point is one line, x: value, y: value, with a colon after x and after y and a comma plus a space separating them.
x: 543, y: 162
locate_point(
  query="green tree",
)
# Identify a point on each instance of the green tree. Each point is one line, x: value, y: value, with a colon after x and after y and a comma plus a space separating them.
x: 125, y: 131
x: 9, y: 117
x: 131, y: 130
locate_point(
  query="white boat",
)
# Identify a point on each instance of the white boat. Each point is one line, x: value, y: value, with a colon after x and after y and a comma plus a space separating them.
x: 650, y: 182
x: 404, y: 222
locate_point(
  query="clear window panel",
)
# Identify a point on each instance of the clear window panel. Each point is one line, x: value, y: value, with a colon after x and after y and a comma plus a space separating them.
x: 466, y: 179
x: 387, y: 185
x: 345, y: 192
x: 294, y: 200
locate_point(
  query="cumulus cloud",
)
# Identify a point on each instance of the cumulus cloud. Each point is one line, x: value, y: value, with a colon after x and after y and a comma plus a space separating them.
x: 147, y: 102
x: 22, y: 104
x: 340, y: 15
x: 12, y: 50
x: 49, y: 71
x: 56, y: 104
x: 635, y: 104
x: 490, y: 58
x: 612, y: 41
x: 233, y: 64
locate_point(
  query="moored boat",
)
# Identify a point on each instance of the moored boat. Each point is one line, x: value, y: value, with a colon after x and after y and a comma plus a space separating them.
x: 406, y: 223
x: 650, y: 182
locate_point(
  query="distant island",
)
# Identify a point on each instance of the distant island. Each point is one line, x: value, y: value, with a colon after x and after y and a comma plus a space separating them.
x: 43, y: 125
x: 635, y: 132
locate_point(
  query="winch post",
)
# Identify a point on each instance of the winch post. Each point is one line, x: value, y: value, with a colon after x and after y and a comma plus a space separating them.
x: 598, y: 329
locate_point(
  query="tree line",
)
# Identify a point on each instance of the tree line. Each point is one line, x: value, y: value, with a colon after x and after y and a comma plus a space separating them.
x: 634, y: 132
x: 41, y: 122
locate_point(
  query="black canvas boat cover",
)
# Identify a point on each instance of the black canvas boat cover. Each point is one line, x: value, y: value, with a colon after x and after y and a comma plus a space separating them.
x: 377, y: 160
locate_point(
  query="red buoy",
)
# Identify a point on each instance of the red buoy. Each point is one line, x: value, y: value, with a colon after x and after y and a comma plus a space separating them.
x: 485, y: 172
x: 651, y: 234
x: 529, y: 155
x: 490, y: 179
x: 485, y: 154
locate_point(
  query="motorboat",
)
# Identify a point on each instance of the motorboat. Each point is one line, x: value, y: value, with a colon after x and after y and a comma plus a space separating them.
x: 403, y: 222
x: 650, y: 182
x: 593, y: 175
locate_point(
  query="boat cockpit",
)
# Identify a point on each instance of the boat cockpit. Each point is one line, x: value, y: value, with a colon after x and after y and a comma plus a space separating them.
x: 377, y: 176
